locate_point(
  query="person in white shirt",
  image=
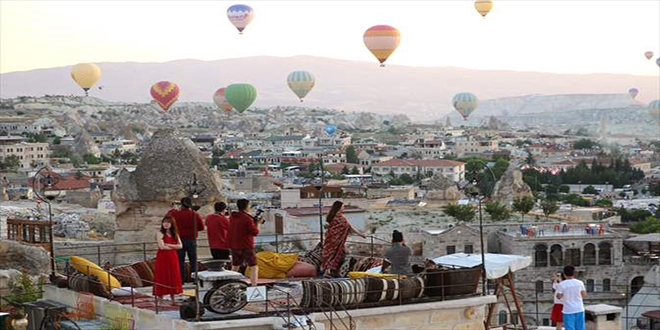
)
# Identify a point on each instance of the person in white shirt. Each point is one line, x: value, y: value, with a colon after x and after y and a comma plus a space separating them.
x: 557, y: 308
x: 571, y: 292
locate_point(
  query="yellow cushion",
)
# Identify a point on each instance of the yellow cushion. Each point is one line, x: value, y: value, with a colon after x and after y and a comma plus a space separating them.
x: 274, y: 265
x: 363, y: 274
x: 89, y: 268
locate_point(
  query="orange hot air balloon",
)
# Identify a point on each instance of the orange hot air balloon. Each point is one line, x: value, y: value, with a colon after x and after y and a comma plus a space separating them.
x: 648, y: 55
x: 165, y: 93
x: 382, y: 40
x: 220, y: 100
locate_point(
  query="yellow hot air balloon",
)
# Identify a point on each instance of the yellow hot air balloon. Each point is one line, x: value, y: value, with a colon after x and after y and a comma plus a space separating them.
x: 483, y: 6
x: 382, y: 40
x: 85, y: 75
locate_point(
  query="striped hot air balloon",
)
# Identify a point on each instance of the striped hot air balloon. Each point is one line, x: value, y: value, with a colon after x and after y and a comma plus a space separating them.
x: 633, y: 92
x: 465, y: 103
x: 240, y: 96
x: 85, y: 75
x: 240, y: 16
x: 300, y: 82
x: 483, y: 6
x: 382, y: 40
x: 165, y: 93
x: 221, y: 101
x: 654, y: 110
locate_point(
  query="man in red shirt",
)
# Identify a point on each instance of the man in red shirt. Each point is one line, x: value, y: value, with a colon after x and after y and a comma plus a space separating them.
x: 242, y: 230
x: 217, y: 225
x: 186, y: 220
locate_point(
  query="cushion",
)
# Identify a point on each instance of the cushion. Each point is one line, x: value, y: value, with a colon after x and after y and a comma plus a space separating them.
x: 346, y: 266
x: 367, y: 263
x: 127, y: 276
x: 88, y: 283
x: 87, y: 267
x: 314, y: 257
x: 145, y: 272
x: 302, y: 269
x: 122, y: 292
x: 274, y: 265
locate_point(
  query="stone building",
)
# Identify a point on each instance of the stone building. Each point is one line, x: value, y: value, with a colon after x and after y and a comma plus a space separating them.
x: 440, y: 242
x: 142, y: 197
x: 602, y: 262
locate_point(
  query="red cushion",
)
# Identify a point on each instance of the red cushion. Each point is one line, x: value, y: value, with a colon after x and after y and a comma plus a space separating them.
x: 302, y: 269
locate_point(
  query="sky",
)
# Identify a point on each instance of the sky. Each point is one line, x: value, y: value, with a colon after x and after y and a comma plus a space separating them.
x: 560, y: 36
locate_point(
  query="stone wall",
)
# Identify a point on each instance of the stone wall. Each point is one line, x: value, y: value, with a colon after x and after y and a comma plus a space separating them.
x: 435, y: 245
x: 29, y: 259
x: 461, y: 314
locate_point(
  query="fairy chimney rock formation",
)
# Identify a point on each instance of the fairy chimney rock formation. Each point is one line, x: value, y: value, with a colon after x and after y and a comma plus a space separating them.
x: 511, y: 186
x: 165, y: 170
x: 441, y: 188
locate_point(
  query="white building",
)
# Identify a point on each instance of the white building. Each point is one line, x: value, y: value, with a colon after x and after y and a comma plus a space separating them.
x: 29, y: 154
x: 451, y: 169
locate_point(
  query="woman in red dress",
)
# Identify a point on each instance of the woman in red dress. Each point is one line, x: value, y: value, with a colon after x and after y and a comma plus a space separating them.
x: 167, y: 277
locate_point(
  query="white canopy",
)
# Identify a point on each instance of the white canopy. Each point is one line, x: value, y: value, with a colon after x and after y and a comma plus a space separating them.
x: 497, y: 265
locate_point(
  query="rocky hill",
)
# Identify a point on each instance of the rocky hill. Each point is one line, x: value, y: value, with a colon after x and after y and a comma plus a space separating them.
x: 80, y: 115
x: 422, y: 93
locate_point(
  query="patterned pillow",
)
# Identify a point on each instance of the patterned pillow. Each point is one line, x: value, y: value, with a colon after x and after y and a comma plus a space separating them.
x: 88, y: 283
x: 346, y: 266
x: 127, y: 276
x: 367, y: 263
x: 145, y: 272
x: 314, y: 257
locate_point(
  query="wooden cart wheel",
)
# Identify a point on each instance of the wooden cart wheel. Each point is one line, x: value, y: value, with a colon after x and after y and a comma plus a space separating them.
x: 226, y: 297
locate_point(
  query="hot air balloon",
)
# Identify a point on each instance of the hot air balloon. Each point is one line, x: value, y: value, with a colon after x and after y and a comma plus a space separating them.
x: 220, y: 100
x: 648, y: 55
x: 165, y: 93
x: 300, y: 82
x: 330, y: 129
x: 85, y: 75
x: 633, y: 92
x: 654, y: 110
x: 483, y: 6
x: 240, y: 16
x: 240, y: 96
x: 465, y: 103
x: 382, y: 40
x: 657, y: 61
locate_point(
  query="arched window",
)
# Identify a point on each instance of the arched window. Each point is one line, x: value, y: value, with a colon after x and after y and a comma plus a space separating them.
x: 556, y: 255
x: 539, y: 286
x: 589, y: 254
x: 604, y: 253
x: 514, y: 317
x: 636, y: 284
x: 590, y: 285
x: 502, y: 317
x: 541, y: 255
x: 606, y: 285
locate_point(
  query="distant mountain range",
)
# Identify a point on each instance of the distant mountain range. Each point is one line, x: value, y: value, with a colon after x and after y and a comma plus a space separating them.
x: 421, y: 93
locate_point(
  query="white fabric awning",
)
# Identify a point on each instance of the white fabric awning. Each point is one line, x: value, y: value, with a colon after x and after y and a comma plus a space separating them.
x: 497, y: 265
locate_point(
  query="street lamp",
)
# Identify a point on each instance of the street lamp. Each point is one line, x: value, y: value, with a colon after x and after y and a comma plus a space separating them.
x: 319, y: 189
x: 194, y: 189
x: 472, y: 189
x: 43, y: 185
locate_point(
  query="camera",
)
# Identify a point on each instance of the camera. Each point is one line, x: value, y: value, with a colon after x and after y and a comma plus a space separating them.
x: 258, y: 217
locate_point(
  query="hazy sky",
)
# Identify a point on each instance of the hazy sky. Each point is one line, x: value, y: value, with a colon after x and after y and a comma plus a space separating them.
x: 563, y: 36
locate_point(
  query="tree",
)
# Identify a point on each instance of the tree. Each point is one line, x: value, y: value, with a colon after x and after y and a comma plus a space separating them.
x: 604, y: 203
x: 498, y: 211
x: 351, y: 155
x: 462, y: 213
x: 530, y: 158
x: 12, y: 162
x: 344, y: 170
x: 564, y: 189
x: 523, y: 205
x: 647, y: 226
x: 91, y: 159
x: 57, y: 140
x: 405, y: 178
x: 584, y: 144
x: 549, y: 207
x: 590, y: 190
x: 355, y: 170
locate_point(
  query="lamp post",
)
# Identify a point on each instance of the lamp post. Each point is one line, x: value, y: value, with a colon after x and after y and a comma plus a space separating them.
x: 319, y: 189
x: 194, y: 189
x: 473, y: 190
x: 44, y: 187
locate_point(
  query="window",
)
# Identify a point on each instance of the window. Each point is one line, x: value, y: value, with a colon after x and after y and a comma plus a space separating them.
x: 514, y: 317
x: 589, y: 254
x: 539, y: 286
x: 468, y: 249
x: 572, y: 257
x: 590, y: 285
x: 541, y: 255
x: 604, y: 253
x: 502, y: 317
x: 546, y: 322
x: 451, y: 249
x: 556, y: 255
x: 606, y: 285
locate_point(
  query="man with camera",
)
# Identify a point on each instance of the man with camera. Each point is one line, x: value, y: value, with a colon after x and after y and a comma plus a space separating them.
x: 243, y: 227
